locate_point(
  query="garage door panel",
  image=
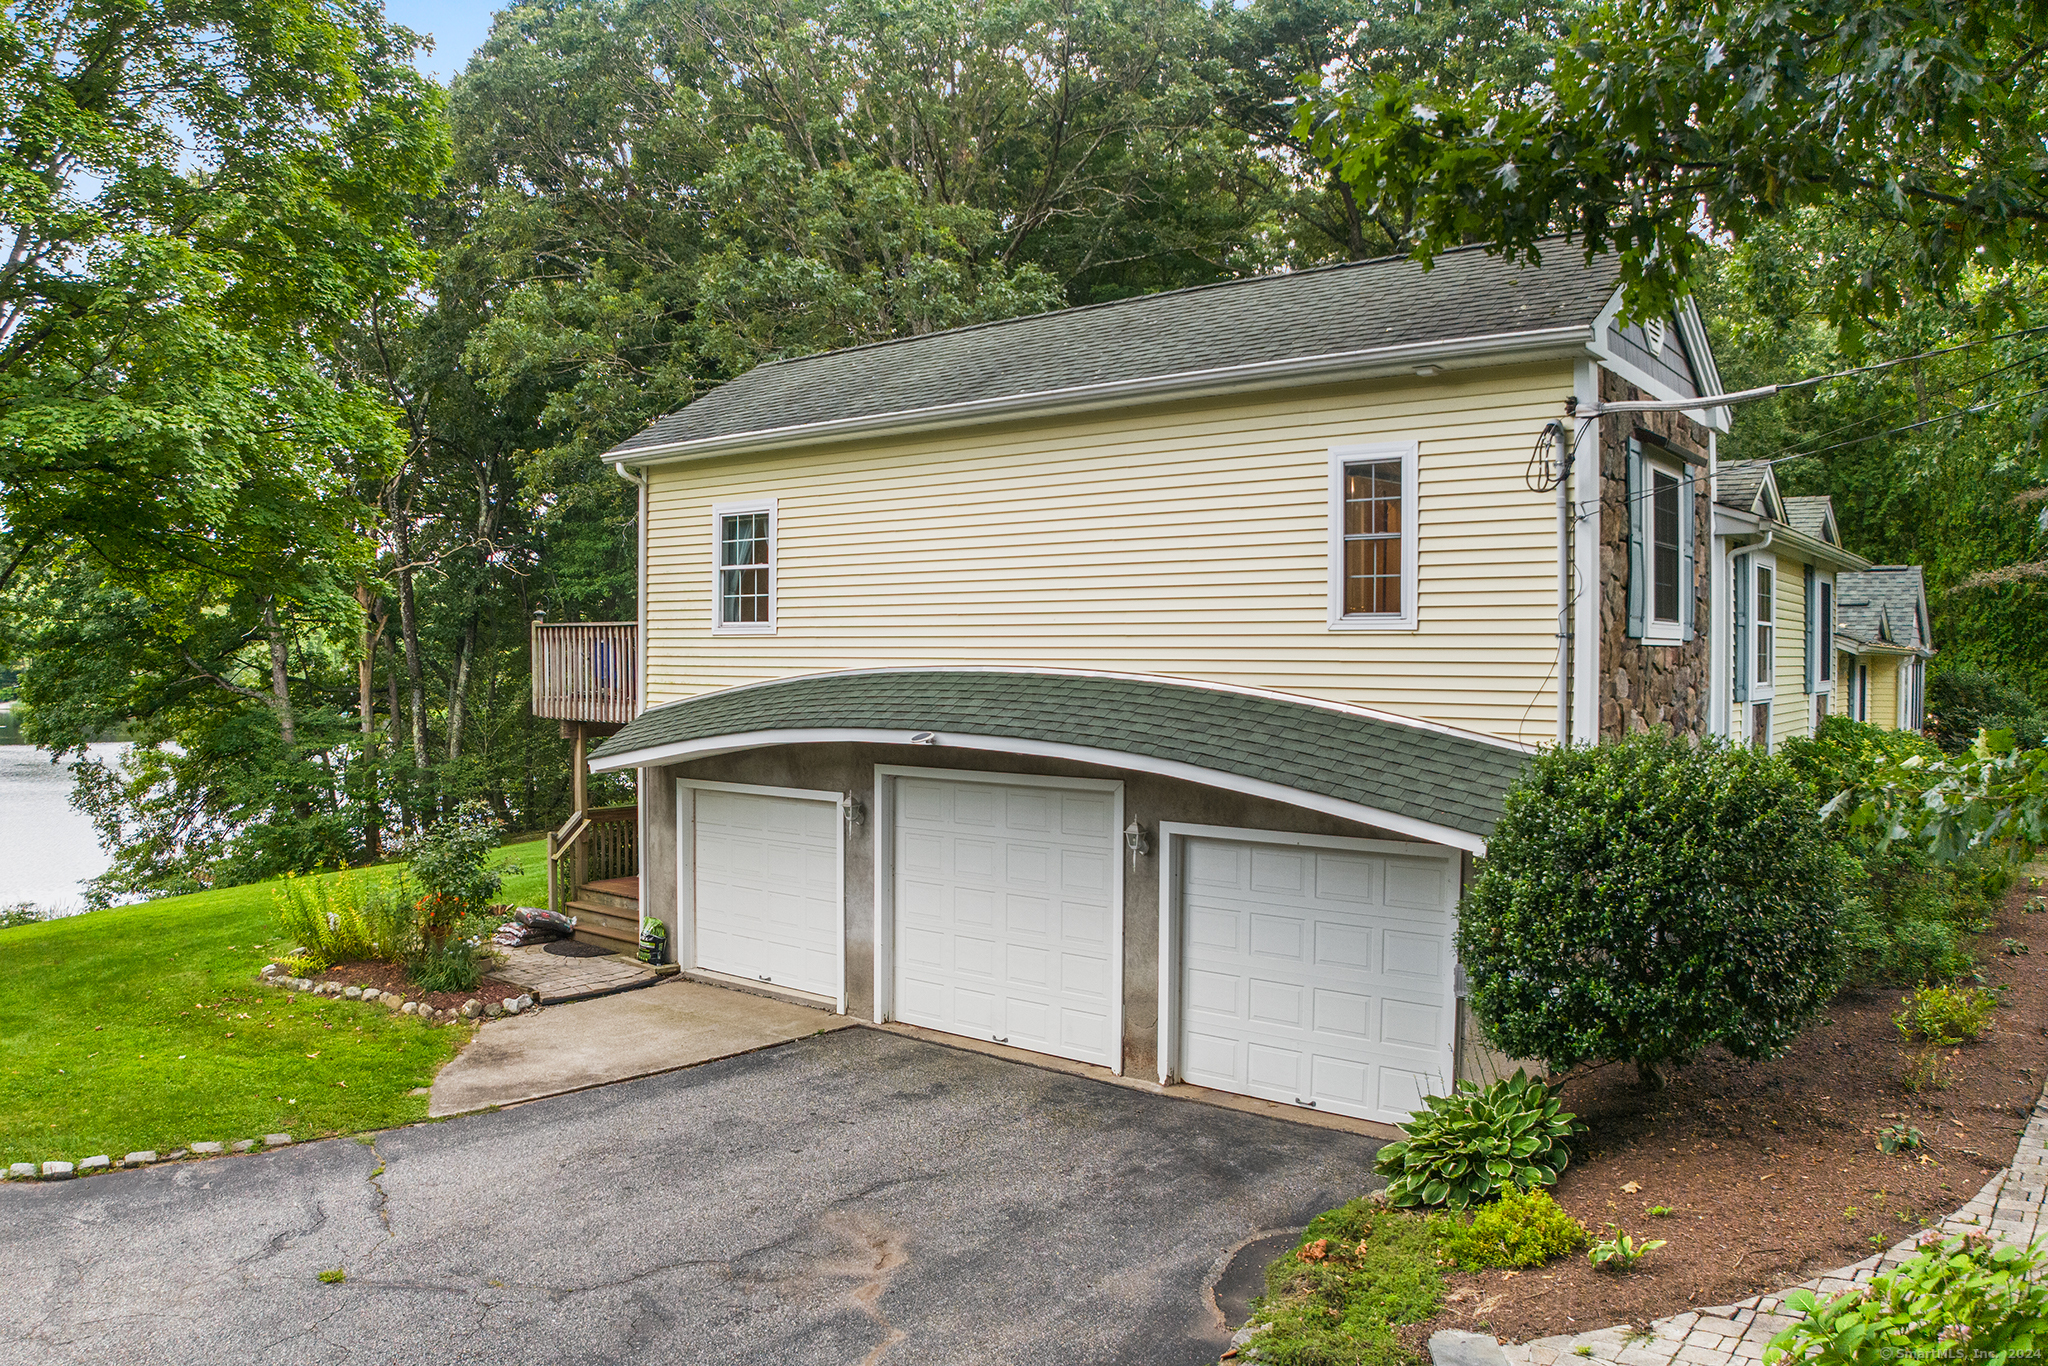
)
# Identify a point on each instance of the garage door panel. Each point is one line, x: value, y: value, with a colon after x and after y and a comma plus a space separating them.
x: 1310, y: 987
x: 1411, y: 1024
x: 1278, y: 1003
x: 1414, y: 885
x: 1414, y: 955
x: 1028, y: 877
x: 1344, y: 945
x: 1343, y: 1012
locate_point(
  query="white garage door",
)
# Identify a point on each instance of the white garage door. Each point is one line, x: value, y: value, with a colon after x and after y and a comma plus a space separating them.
x: 1004, y: 918
x: 1317, y: 975
x: 767, y: 880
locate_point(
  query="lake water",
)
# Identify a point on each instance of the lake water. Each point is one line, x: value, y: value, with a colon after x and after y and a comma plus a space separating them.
x: 46, y: 848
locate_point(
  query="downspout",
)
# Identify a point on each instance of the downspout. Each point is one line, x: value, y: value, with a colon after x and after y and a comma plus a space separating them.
x: 1564, y: 585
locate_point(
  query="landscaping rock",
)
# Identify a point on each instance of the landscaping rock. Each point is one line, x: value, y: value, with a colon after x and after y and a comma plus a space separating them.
x: 22, y: 1171
x: 243, y: 1145
x: 58, y: 1171
x: 392, y: 1001
x: 141, y: 1159
x: 410, y: 1007
x: 271, y: 969
x: 515, y: 1005
x: 277, y: 1140
x: 207, y: 1149
x: 175, y: 1154
x: 371, y: 993
x: 353, y: 993
x: 494, y: 1010
x: 1449, y: 1347
x: 95, y: 1164
x: 472, y: 1008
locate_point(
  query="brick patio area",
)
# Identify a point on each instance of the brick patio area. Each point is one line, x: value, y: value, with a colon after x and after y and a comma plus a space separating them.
x: 553, y: 978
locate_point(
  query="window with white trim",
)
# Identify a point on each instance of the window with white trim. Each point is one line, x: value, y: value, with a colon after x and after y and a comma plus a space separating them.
x: 1665, y: 531
x: 1824, y: 633
x: 743, y: 579
x: 1762, y: 629
x: 1372, y: 537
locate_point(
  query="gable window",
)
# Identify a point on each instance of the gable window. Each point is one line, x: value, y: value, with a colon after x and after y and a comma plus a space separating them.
x: 743, y: 544
x: 1660, y: 546
x: 1372, y: 537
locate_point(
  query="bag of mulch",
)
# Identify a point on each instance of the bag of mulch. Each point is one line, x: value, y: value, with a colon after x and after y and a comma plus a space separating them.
x: 515, y: 936
x: 561, y: 926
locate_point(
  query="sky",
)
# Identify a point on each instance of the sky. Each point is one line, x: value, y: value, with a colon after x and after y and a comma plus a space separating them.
x: 459, y: 28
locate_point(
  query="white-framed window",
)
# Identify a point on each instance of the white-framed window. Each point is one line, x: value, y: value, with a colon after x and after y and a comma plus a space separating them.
x: 1824, y: 634
x: 743, y: 568
x: 1372, y: 537
x: 1763, y: 629
x: 1665, y: 528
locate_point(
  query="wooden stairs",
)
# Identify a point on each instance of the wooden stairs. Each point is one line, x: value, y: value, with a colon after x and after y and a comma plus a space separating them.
x: 607, y: 914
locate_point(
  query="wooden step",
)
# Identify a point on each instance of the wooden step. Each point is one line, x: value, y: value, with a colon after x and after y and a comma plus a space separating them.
x: 606, y: 937
x: 612, y: 901
x: 610, y: 917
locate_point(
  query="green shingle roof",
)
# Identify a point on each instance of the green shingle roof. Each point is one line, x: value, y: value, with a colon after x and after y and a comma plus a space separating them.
x: 1265, y: 320
x: 1409, y: 770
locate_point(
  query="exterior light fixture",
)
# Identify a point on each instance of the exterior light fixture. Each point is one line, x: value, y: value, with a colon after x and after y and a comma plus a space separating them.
x: 1135, y: 841
x: 856, y: 811
x: 924, y: 737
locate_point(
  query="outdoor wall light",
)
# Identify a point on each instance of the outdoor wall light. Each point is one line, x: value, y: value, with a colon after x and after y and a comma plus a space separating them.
x: 1135, y: 841
x: 856, y: 811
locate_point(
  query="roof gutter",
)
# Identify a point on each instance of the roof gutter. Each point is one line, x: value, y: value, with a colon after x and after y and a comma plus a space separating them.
x: 1370, y: 363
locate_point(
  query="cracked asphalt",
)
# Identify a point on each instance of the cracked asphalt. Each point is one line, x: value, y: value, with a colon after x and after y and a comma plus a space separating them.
x: 858, y: 1197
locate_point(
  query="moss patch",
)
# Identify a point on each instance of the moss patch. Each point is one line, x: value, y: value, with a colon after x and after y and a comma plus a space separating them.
x: 1358, y: 1273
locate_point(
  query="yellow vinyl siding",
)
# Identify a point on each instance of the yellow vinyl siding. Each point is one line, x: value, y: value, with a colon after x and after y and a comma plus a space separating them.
x: 1190, y: 540
x: 1884, y: 691
x: 1792, y: 713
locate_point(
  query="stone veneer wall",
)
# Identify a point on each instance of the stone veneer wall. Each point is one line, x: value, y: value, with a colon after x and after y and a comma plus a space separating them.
x: 1642, y: 686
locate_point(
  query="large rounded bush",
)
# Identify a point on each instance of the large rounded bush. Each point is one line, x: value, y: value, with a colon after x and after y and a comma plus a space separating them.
x: 1643, y: 899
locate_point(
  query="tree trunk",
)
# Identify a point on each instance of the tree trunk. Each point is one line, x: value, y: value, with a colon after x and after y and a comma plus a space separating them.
x: 280, y: 685
x: 366, y: 704
x: 458, y: 689
x: 1651, y: 1075
x: 408, y: 624
x: 391, y: 683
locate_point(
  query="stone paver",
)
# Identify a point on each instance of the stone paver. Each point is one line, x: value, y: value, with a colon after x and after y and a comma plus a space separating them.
x: 552, y: 977
x: 2009, y: 1208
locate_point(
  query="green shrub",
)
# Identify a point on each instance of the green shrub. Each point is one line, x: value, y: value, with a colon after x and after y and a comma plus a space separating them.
x: 1945, y: 1015
x: 1643, y: 899
x: 346, y: 919
x: 20, y: 913
x: 1844, y: 753
x: 1467, y: 1147
x: 1358, y: 1272
x: 1963, y: 701
x: 450, y: 861
x: 444, y: 965
x: 1957, y: 1299
x: 1522, y: 1228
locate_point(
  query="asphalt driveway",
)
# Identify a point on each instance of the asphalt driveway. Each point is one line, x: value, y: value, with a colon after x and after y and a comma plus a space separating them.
x: 858, y: 1197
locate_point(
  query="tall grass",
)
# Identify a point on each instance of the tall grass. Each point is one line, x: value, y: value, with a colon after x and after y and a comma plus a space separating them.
x: 341, y: 920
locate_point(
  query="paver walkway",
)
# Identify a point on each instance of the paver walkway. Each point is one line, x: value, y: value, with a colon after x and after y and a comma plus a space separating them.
x: 553, y: 978
x: 2009, y: 1208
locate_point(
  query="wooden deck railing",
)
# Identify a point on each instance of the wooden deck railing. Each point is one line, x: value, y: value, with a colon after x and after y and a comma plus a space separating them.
x: 586, y: 671
x: 590, y: 847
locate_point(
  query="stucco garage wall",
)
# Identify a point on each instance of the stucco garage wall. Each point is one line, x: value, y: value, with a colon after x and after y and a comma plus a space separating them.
x: 851, y: 769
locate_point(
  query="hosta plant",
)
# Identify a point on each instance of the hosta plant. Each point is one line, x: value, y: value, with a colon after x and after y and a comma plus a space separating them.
x: 1471, y: 1145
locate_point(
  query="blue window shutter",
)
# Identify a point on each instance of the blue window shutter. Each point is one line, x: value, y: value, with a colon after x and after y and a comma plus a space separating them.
x: 1812, y: 621
x: 1686, y: 590
x: 1638, y: 556
x: 1738, y: 589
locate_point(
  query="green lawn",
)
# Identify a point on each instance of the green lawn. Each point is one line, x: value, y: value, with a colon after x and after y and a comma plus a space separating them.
x: 144, y: 1027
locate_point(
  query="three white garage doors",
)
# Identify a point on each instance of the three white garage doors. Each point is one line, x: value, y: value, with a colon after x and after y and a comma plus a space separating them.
x: 1298, y: 970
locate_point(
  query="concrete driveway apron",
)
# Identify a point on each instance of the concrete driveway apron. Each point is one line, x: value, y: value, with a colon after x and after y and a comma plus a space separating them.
x: 857, y: 1197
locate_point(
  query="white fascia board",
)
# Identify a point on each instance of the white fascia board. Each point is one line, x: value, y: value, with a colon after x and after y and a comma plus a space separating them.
x: 682, y: 751
x: 1707, y: 415
x: 1562, y: 343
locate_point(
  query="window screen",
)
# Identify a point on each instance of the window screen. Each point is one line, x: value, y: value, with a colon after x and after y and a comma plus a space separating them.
x: 743, y: 568
x: 1372, y: 537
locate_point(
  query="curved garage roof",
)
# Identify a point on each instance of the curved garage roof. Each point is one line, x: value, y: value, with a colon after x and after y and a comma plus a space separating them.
x: 1421, y: 775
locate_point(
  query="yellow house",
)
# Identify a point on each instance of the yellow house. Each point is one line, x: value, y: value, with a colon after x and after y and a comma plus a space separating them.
x: 1882, y: 640
x: 1135, y: 684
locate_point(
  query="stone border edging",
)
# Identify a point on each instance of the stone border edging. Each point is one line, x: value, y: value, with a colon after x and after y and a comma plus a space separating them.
x: 2009, y: 1208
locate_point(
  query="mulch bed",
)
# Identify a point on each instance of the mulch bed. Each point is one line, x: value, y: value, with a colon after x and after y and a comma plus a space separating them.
x: 391, y: 977
x: 1772, y: 1170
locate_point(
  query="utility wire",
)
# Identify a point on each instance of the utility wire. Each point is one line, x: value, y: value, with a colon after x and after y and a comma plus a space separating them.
x: 1911, y: 426
x: 1975, y: 382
